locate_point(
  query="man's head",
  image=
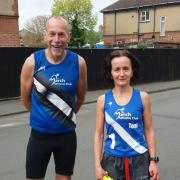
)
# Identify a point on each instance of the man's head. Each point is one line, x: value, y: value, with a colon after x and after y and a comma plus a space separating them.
x: 57, y: 35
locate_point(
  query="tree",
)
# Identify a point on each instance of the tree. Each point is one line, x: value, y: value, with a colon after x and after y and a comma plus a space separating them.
x: 79, y: 15
x: 34, y: 30
x: 93, y: 37
x: 77, y: 33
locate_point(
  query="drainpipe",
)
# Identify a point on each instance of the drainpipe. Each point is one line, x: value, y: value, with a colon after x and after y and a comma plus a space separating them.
x: 114, y: 26
x: 138, y: 23
x: 139, y: 6
x: 154, y: 25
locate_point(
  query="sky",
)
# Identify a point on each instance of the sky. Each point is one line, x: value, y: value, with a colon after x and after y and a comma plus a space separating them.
x: 32, y: 8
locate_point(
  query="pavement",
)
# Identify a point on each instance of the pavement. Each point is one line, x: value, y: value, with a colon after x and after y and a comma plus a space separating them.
x: 14, y: 105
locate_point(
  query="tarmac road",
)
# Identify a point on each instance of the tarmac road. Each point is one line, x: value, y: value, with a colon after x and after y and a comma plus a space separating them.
x: 14, y: 132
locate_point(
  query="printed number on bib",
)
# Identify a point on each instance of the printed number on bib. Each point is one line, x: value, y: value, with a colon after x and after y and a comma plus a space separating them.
x: 112, y: 137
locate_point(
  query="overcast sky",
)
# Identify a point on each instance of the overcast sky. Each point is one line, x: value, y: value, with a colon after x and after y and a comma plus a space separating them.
x: 31, y: 8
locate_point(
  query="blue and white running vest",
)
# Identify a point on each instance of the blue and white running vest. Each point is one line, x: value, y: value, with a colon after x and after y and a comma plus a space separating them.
x: 54, y: 94
x: 124, y: 126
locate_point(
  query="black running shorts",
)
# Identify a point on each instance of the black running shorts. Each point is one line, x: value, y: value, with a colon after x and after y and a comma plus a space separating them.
x: 138, y: 167
x: 39, y: 150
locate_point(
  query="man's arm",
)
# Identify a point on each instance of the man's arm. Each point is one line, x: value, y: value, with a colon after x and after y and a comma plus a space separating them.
x: 26, y: 81
x: 82, y: 83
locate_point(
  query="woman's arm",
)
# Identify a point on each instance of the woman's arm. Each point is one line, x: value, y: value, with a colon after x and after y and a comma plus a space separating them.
x: 99, y: 137
x: 150, y: 134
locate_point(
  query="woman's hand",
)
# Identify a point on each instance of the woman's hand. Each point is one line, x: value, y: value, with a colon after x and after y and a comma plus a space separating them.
x: 154, y: 171
x: 100, y: 172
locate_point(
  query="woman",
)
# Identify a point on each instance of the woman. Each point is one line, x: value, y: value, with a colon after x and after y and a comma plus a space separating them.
x: 129, y: 146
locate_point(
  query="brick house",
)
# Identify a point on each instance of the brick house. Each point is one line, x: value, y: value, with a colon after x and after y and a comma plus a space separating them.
x: 133, y: 21
x: 9, y: 28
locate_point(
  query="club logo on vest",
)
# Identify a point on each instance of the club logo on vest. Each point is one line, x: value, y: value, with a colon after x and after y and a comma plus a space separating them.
x: 122, y: 115
x: 56, y: 80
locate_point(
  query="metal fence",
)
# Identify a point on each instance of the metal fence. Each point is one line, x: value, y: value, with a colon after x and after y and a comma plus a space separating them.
x: 157, y: 65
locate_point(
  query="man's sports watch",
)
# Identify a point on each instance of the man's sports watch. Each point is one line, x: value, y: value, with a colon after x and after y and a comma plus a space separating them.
x: 155, y: 159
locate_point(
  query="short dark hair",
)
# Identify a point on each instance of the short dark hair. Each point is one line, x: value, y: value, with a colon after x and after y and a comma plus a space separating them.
x: 120, y: 53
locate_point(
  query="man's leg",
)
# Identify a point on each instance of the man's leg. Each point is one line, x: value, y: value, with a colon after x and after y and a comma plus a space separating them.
x: 37, y: 157
x: 64, y: 155
x: 62, y: 177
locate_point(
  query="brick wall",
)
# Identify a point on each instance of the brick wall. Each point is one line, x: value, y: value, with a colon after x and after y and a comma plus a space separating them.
x: 9, y: 31
x: 170, y: 37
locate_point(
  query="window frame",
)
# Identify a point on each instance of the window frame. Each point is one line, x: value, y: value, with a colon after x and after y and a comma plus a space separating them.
x: 144, y: 16
x: 162, y: 26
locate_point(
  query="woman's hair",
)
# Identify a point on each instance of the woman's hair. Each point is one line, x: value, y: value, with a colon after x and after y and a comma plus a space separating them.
x: 120, y: 53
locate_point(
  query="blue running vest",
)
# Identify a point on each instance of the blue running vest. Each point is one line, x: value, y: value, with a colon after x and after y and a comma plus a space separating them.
x: 54, y: 94
x: 124, y: 126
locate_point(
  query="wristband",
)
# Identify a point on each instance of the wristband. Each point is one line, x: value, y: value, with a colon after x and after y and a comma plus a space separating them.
x: 155, y: 159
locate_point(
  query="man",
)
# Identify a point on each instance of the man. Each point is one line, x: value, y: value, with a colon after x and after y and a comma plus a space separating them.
x: 53, y: 86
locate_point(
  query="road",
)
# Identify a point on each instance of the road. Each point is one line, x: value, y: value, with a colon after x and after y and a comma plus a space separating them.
x: 14, y: 132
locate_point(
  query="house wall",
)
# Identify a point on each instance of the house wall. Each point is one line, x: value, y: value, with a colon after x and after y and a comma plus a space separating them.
x: 148, y: 27
x: 9, y: 29
x: 127, y: 25
x: 108, y: 22
x: 172, y: 22
x: 172, y: 18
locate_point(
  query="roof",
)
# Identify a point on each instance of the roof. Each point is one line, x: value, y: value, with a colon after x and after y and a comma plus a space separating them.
x: 132, y: 4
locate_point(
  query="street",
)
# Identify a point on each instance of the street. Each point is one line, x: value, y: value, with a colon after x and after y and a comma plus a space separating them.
x: 14, y: 133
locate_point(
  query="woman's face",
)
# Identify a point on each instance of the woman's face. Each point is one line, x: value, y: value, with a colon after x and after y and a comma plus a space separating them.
x: 121, y: 71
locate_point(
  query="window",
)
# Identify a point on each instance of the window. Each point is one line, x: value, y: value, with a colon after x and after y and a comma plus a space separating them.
x: 144, y: 16
x: 162, y: 25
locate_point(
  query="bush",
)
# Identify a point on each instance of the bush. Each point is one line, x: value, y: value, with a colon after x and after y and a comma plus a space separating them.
x: 141, y: 45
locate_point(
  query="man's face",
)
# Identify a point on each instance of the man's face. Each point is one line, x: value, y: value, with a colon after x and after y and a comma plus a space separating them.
x: 57, y: 37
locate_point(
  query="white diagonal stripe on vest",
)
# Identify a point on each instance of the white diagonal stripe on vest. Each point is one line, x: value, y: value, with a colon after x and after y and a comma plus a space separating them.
x: 124, y: 135
x: 59, y: 103
x: 55, y: 100
x: 40, y: 88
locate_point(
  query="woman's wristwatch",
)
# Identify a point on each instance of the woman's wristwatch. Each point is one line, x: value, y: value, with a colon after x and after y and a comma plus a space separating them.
x: 155, y: 159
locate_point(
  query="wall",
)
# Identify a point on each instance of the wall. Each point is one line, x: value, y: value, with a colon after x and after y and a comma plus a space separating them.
x: 172, y: 18
x: 9, y: 29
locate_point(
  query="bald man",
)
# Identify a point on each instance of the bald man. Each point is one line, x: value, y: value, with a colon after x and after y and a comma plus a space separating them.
x: 53, y: 87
